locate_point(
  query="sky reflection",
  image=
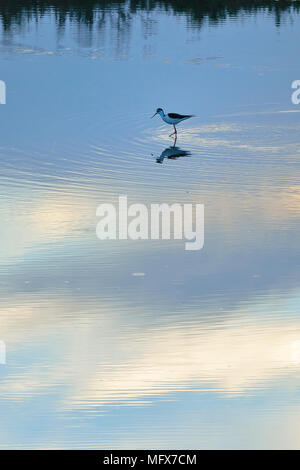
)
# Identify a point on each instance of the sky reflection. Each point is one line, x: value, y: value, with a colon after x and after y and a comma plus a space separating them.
x: 199, y: 350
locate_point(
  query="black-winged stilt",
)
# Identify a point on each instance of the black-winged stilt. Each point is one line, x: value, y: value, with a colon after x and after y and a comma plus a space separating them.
x: 172, y: 118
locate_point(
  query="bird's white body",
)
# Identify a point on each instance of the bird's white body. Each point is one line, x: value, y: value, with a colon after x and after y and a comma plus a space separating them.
x: 171, y: 120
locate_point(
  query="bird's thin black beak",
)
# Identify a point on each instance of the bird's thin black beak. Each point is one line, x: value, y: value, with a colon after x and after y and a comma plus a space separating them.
x: 154, y: 115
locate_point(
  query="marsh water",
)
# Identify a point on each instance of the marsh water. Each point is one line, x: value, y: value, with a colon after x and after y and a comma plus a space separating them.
x: 142, y: 344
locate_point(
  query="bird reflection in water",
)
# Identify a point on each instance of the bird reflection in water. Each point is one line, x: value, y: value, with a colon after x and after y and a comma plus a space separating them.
x: 172, y: 153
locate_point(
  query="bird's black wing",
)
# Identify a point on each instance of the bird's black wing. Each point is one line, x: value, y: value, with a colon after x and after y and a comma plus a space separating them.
x: 179, y: 116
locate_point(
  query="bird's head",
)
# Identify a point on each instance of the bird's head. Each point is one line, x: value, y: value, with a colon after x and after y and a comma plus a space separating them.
x: 158, y: 111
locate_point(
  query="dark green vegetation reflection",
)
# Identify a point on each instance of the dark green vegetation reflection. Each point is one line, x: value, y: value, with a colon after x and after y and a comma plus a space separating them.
x: 16, y: 12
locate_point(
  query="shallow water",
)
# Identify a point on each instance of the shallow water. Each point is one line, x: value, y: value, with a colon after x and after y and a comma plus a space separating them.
x: 141, y: 344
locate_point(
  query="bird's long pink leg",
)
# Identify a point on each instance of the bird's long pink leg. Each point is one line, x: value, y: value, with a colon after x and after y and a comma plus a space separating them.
x: 175, y: 131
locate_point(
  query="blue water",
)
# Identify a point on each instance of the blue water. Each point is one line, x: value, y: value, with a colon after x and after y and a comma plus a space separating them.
x: 141, y: 344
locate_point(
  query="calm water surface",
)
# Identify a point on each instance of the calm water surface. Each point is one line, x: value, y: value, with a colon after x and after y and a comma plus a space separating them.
x: 202, y: 349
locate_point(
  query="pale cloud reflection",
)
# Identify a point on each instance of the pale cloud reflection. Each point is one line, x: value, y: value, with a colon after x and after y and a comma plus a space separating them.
x: 45, y: 220
x: 232, y: 360
x: 259, y: 138
x: 240, y: 354
x: 48, y: 221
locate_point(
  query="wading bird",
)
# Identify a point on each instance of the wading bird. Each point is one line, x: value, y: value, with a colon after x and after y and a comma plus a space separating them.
x: 172, y: 118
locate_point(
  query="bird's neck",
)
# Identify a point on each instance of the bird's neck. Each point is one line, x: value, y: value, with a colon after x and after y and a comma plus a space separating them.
x: 161, y: 113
